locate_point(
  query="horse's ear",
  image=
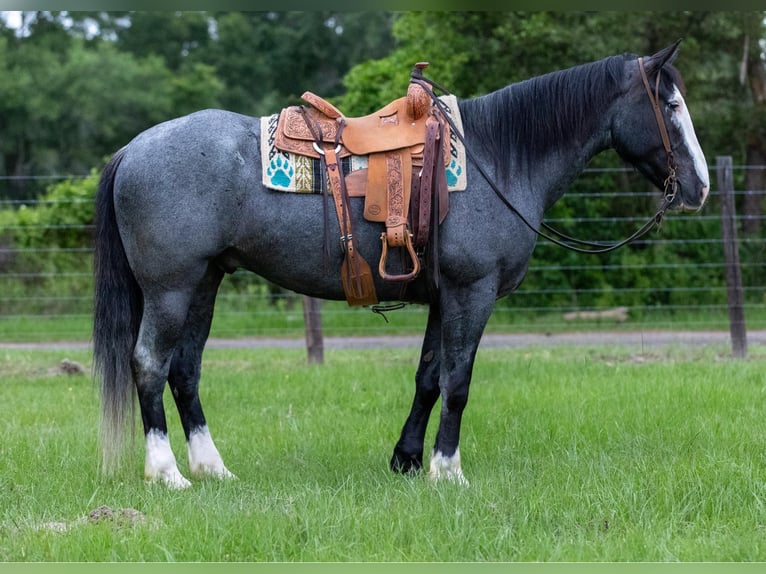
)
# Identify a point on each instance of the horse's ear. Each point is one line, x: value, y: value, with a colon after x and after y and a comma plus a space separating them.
x: 665, y: 56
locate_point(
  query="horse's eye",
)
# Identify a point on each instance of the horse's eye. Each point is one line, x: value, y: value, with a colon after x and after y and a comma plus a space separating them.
x: 674, y: 105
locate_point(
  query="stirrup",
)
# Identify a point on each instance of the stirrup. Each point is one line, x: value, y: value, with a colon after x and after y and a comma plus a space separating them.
x: 384, y: 256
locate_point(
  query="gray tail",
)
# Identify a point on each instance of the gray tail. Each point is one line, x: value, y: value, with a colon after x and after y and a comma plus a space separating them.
x: 118, y: 305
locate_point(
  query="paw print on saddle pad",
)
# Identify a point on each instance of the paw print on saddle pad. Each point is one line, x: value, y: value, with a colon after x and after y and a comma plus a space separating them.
x: 280, y: 172
x: 454, y: 170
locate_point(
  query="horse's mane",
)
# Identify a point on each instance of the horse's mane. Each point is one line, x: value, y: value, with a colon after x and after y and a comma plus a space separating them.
x: 525, y: 119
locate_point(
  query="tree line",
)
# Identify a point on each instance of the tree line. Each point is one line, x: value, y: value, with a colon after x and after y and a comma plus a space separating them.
x: 79, y: 85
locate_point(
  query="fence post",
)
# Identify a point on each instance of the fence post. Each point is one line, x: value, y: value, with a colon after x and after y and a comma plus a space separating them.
x: 312, y: 317
x: 734, y: 290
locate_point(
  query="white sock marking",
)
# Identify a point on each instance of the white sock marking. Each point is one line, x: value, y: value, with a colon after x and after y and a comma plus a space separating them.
x: 160, y: 463
x: 204, y: 458
x: 447, y: 467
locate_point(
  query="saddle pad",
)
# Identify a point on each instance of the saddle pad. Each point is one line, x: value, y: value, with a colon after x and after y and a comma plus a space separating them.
x: 289, y: 172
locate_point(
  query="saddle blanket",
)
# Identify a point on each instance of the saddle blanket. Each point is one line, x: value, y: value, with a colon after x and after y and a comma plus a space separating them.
x: 283, y: 171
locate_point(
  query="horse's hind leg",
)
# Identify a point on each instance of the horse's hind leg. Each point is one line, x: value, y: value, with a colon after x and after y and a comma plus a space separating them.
x: 161, y: 326
x: 173, y: 308
x: 408, y: 452
x: 184, y: 376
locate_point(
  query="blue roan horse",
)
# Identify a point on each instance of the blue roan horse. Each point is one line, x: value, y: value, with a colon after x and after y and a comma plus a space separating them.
x: 183, y: 204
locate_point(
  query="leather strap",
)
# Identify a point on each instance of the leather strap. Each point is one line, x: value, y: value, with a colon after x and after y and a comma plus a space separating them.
x: 357, y: 285
x: 671, y: 182
x: 341, y: 207
x: 441, y: 203
x: 398, y: 187
x: 426, y: 189
x: 376, y: 191
x: 654, y: 98
x: 397, y: 233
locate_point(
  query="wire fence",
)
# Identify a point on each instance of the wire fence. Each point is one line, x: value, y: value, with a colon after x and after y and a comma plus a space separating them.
x: 673, y: 278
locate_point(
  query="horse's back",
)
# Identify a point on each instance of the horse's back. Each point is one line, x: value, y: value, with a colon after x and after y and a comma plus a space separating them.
x: 179, y: 150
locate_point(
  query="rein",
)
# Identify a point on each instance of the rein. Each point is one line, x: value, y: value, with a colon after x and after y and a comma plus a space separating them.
x: 560, y: 239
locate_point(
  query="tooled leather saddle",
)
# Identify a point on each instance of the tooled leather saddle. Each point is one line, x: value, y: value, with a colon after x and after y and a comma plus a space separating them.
x: 404, y: 185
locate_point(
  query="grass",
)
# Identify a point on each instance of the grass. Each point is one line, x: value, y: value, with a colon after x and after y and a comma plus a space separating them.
x: 338, y: 319
x: 574, y: 454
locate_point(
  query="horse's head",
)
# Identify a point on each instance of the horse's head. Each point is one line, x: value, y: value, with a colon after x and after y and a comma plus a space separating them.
x: 652, y: 129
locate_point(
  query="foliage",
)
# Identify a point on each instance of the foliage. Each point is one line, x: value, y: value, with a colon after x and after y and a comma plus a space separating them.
x: 51, y: 243
x: 71, y: 96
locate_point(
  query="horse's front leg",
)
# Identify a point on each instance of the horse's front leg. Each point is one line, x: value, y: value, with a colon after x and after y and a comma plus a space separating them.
x: 465, y: 312
x: 408, y: 452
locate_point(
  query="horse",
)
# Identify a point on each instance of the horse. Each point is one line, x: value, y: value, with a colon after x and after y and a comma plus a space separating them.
x: 183, y: 204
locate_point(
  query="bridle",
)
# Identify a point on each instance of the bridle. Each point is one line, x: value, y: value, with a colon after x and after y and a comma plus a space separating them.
x: 671, y: 183
x: 552, y: 235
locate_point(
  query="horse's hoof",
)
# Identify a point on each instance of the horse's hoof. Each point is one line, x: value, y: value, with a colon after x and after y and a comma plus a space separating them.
x: 172, y: 480
x: 219, y: 472
x: 404, y: 464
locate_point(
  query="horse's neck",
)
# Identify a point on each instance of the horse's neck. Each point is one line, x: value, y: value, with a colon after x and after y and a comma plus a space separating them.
x: 543, y: 131
x: 567, y: 164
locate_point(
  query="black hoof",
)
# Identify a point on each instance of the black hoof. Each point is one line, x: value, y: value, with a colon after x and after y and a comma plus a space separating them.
x: 406, y: 464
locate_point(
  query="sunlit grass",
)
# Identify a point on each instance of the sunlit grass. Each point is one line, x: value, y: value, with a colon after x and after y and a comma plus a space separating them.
x: 573, y: 454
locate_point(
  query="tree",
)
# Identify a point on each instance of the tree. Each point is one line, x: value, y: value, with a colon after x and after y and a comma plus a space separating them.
x: 268, y: 59
x: 176, y: 37
x: 79, y: 85
x: 66, y: 102
x: 754, y: 76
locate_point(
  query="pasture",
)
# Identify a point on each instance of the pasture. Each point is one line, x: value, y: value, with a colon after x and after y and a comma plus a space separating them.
x: 572, y: 453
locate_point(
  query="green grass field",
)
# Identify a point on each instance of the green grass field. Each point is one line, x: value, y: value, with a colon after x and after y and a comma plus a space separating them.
x: 338, y: 319
x: 573, y: 454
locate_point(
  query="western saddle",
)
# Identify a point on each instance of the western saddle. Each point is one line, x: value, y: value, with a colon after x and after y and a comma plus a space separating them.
x: 404, y: 184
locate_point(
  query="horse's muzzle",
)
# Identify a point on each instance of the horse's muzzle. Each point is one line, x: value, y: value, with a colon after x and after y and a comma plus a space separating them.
x: 691, y: 202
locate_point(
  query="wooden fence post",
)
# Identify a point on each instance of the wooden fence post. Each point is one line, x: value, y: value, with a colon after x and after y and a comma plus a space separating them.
x: 312, y: 317
x: 734, y: 290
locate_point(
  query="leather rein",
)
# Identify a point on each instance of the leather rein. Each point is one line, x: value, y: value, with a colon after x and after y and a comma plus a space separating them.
x: 552, y: 235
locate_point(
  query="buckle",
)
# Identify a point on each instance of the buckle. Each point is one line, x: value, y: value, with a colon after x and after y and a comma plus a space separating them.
x: 320, y: 151
x: 344, y: 239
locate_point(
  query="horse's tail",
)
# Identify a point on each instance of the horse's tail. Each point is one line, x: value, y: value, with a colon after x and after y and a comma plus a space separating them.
x: 118, y: 305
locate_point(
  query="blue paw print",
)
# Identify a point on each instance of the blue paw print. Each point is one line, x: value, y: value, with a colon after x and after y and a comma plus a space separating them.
x: 453, y: 173
x: 280, y: 172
